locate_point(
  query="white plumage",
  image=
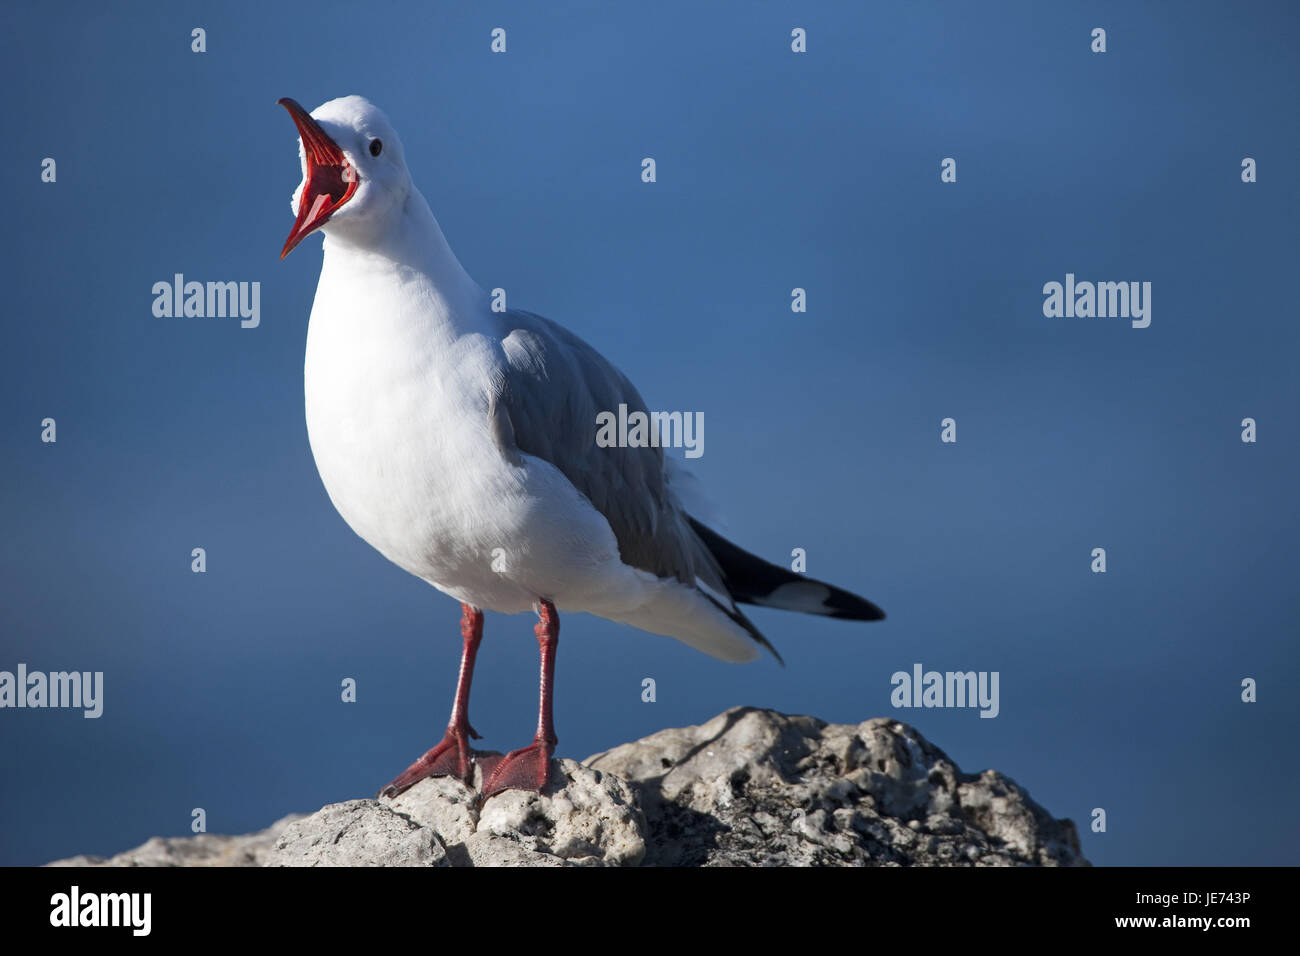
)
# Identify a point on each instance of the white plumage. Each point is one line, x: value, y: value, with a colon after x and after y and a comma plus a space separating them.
x: 461, y: 443
x: 403, y: 355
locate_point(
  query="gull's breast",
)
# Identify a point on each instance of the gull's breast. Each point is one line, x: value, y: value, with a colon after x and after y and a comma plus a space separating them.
x: 399, y: 448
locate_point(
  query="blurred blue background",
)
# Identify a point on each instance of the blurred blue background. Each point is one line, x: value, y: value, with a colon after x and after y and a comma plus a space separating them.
x: 775, y: 170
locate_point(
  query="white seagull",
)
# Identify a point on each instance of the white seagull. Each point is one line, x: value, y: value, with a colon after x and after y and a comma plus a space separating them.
x: 459, y: 442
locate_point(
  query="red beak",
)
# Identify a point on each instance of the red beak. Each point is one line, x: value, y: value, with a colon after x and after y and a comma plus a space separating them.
x: 331, y: 179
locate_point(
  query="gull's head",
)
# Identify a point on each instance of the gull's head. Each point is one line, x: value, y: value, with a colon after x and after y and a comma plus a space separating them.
x: 354, y: 176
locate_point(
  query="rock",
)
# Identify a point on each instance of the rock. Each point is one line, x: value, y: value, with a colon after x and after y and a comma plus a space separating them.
x: 749, y: 788
x: 587, y: 818
x: 753, y: 787
x: 206, y: 849
x: 443, y: 804
x: 356, y: 833
x: 593, y: 820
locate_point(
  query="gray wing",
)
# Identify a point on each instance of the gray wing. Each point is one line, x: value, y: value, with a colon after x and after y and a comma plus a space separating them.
x: 553, y: 386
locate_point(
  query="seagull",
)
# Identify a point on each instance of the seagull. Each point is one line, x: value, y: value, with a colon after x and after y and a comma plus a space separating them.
x: 460, y: 443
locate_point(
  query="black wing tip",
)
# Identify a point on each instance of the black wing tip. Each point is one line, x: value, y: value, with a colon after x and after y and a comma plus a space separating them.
x: 752, y: 580
x: 849, y: 607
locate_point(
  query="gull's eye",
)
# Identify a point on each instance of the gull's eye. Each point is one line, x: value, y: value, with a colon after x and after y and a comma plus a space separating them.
x: 376, y: 147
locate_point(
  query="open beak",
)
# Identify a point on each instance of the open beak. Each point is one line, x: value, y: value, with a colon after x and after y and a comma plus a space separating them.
x: 331, y: 179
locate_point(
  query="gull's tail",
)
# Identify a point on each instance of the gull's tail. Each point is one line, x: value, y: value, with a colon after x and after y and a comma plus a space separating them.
x: 751, y: 580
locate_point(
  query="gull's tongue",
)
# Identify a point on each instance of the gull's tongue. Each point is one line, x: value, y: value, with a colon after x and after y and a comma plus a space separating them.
x: 330, y: 180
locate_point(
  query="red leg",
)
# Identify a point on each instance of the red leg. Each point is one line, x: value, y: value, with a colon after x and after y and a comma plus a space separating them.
x: 452, y: 757
x: 527, y: 769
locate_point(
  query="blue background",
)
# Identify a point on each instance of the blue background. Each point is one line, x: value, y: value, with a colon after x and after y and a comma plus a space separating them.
x: 1119, y: 691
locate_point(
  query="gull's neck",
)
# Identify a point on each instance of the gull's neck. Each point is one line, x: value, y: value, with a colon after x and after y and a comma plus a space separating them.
x: 411, y: 258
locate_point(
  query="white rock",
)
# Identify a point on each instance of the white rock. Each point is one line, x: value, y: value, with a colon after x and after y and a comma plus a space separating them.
x: 356, y: 833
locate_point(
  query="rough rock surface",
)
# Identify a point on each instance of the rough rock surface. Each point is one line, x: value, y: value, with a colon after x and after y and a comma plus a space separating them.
x: 754, y: 787
x: 356, y: 833
x: 587, y: 818
x: 749, y: 788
